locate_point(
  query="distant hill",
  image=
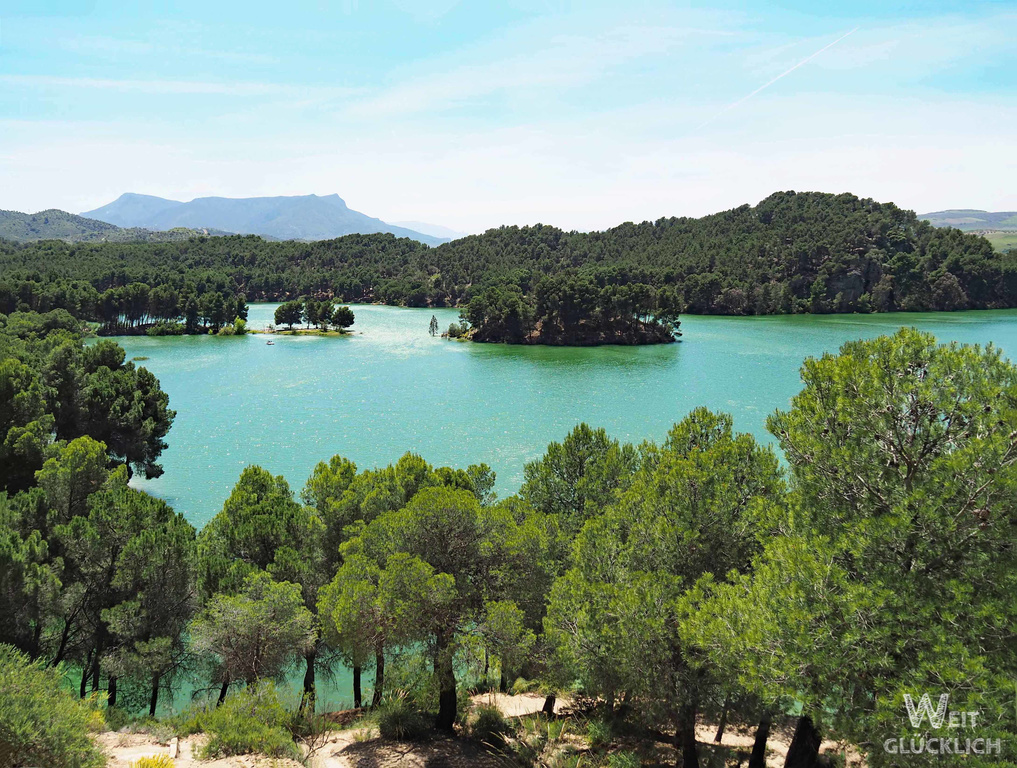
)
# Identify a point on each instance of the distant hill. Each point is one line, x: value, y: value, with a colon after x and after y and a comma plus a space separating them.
x: 434, y: 230
x: 54, y: 224
x: 790, y: 253
x: 971, y: 220
x: 305, y: 217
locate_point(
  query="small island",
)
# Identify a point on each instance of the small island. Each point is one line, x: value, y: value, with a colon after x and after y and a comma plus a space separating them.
x: 571, y: 310
x: 323, y: 318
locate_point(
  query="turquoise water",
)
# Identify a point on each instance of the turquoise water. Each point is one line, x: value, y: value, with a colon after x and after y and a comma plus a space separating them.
x: 391, y: 388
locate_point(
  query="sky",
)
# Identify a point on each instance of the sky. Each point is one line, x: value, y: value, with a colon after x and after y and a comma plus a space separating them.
x: 476, y: 114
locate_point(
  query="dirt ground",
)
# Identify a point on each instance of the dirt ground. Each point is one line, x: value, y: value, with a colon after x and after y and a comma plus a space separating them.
x: 362, y: 748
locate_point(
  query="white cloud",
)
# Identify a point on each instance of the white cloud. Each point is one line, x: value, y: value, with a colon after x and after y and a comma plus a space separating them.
x: 396, y: 152
x: 561, y: 60
x: 584, y: 175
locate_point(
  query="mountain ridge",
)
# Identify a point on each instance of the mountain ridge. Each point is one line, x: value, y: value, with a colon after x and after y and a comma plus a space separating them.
x: 286, y: 217
x: 972, y: 219
x: 54, y: 224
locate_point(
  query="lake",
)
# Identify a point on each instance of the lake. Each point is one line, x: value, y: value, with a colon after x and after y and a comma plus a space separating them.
x: 391, y: 388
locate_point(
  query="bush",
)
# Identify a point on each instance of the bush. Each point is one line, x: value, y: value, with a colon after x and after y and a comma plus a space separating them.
x: 249, y: 721
x: 400, y: 720
x: 160, y: 731
x: 624, y: 760
x: 153, y: 761
x: 238, y: 328
x: 166, y: 329
x: 522, y: 685
x: 40, y: 723
x: 598, y: 734
x: 490, y: 727
x: 458, y: 330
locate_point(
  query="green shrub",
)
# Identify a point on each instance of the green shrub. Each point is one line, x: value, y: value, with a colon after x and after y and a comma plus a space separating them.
x: 237, y: 328
x: 522, y: 685
x: 490, y: 727
x: 161, y: 731
x: 40, y: 723
x: 624, y: 760
x: 166, y: 329
x: 400, y: 720
x: 598, y: 734
x: 458, y: 331
x: 252, y: 721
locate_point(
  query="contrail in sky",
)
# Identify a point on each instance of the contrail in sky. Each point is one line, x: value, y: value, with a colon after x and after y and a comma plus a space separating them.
x: 766, y: 85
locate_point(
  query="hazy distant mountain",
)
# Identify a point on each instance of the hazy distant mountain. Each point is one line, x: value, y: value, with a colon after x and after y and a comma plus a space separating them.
x: 60, y: 225
x: 969, y: 219
x: 306, y: 217
x: 434, y: 230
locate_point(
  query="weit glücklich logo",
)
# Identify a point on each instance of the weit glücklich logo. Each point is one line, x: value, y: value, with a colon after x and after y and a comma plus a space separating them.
x: 940, y: 717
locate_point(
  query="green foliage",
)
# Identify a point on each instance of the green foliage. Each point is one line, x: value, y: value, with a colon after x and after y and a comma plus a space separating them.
x: 400, y: 720
x: 698, y: 507
x: 792, y: 252
x: 170, y: 328
x: 490, y: 727
x: 598, y: 733
x: 289, y: 313
x: 256, y: 633
x: 40, y: 724
x: 260, y: 527
x: 252, y: 721
x: 624, y: 759
x: 577, y: 478
x: 458, y: 330
x: 573, y: 309
x: 132, y: 558
x: 522, y: 685
x: 53, y: 224
x: 52, y: 387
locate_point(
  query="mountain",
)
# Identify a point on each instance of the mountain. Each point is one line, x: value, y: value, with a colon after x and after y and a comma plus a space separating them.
x: 790, y: 253
x: 305, y: 217
x: 434, y: 230
x: 970, y: 219
x: 60, y: 225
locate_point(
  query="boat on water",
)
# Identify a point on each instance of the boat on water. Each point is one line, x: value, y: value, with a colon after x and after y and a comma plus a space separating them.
x: 270, y: 343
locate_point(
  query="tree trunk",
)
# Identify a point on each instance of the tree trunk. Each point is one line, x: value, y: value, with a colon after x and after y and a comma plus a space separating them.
x: 223, y: 691
x: 804, y: 749
x: 84, y: 673
x: 307, y: 701
x: 549, y: 702
x: 111, y: 694
x: 95, y: 672
x: 153, y: 700
x: 758, y: 757
x: 503, y: 682
x: 722, y: 725
x: 36, y: 638
x: 62, y: 649
x: 685, y: 737
x: 379, y: 678
x: 444, y: 671
x: 358, y: 697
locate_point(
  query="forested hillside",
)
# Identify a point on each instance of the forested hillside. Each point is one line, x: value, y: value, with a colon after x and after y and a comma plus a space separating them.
x: 793, y: 252
x: 53, y: 224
